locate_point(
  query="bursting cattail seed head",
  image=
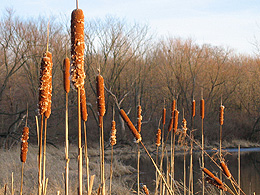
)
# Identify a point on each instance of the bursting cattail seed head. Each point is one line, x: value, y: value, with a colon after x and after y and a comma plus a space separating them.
x: 131, y: 126
x: 193, y: 108
x: 77, y: 48
x: 66, y: 76
x: 139, y: 118
x: 113, y: 134
x: 146, y: 191
x: 24, y: 144
x: 202, y: 108
x: 221, y: 115
x: 100, y: 95
x: 164, y: 116
x: 83, y: 104
x: 45, y: 86
x: 158, y: 137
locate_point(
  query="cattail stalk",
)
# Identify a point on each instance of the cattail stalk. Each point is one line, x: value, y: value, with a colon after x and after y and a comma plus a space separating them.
x: 221, y: 121
x: 171, y: 166
x: 40, y: 159
x: 139, y: 123
x: 24, y: 150
x: 239, y: 166
x: 202, y: 115
x: 158, y: 143
x: 112, y: 143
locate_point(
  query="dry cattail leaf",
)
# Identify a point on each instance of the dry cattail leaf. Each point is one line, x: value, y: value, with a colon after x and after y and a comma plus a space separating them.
x: 77, y: 48
x: 113, y: 134
x: 24, y: 144
x: 131, y: 126
x: 45, y: 86
x: 139, y: 118
x: 83, y: 104
x: 100, y: 95
x: 221, y: 115
x: 158, y: 137
x: 175, y: 120
x: 146, y: 191
x: 193, y: 108
x: 164, y: 116
x: 202, y: 108
x: 225, y: 169
x: 66, y: 76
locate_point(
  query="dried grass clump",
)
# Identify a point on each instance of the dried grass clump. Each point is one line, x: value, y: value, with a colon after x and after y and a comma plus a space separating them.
x: 24, y: 144
x: 77, y: 48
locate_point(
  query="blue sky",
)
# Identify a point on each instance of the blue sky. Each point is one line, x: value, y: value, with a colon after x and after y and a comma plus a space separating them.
x: 232, y: 24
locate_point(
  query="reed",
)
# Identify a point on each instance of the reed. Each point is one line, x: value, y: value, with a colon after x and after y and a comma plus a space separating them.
x: 193, y: 111
x: 202, y: 115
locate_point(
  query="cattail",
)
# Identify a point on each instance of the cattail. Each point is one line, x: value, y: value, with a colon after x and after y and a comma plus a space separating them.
x: 45, y: 87
x: 146, y: 191
x: 205, y: 170
x: 173, y: 107
x: 170, y: 124
x: 24, y: 144
x: 175, y: 120
x: 83, y: 104
x: 202, y: 108
x: 164, y: 116
x: 225, y: 169
x: 100, y: 95
x: 66, y: 76
x: 77, y: 48
x: 193, y: 108
x: 113, y: 134
x: 158, y: 137
x: 221, y: 114
x: 48, y: 111
x: 139, y: 118
x: 214, y: 183
x: 131, y: 126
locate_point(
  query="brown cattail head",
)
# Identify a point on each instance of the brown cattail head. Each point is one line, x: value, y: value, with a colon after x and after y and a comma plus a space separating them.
x: 24, y: 144
x: 45, y: 86
x: 175, y: 120
x: 77, y: 48
x: 221, y: 115
x: 158, y: 137
x: 146, y: 191
x: 193, y: 108
x: 100, y: 95
x: 202, y: 108
x: 225, y: 169
x: 113, y: 134
x: 66, y: 76
x: 173, y: 107
x: 164, y: 116
x: 214, y: 183
x: 139, y: 118
x: 170, y: 124
x: 205, y: 170
x: 83, y: 104
x: 131, y: 126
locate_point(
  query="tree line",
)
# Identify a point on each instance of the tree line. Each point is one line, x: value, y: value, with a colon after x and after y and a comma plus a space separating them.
x: 138, y: 68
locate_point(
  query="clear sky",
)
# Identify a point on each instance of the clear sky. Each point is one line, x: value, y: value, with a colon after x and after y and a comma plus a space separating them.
x: 232, y: 24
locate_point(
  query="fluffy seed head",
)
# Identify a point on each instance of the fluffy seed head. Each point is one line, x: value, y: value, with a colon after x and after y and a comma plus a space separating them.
x: 113, y: 134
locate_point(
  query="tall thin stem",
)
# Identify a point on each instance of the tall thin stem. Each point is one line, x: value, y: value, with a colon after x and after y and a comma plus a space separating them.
x: 44, y: 154
x: 86, y: 154
x: 21, y: 189
x: 40, y: 159
x: 67, y: 147
x: 239, y: 182
x: 138, y: 169
x: 79, y: 148
x: 111, y: 171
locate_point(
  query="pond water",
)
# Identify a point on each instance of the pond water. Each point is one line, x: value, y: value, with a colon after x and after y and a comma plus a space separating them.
x: 250, y: 169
